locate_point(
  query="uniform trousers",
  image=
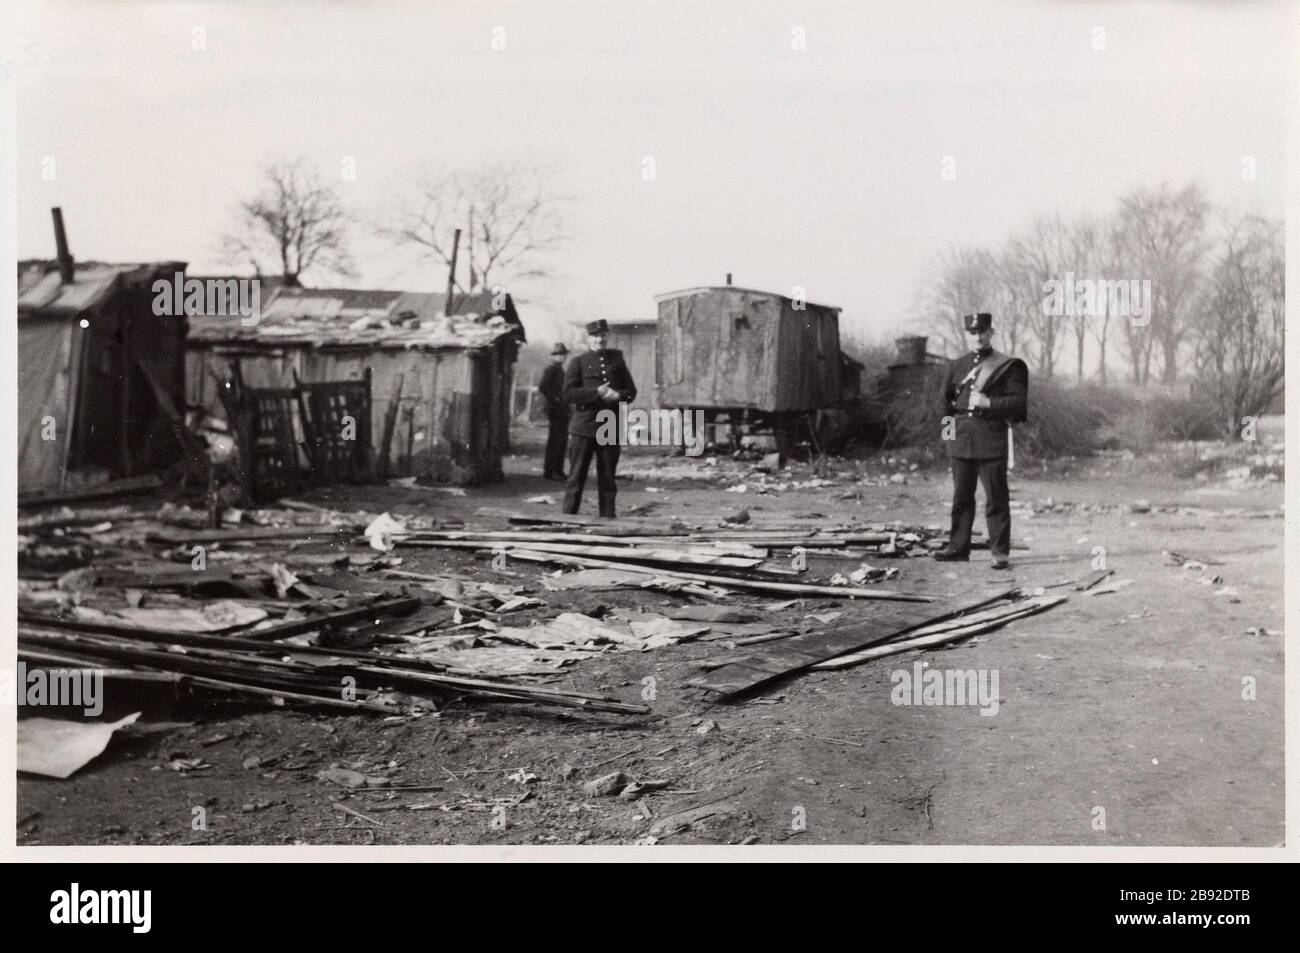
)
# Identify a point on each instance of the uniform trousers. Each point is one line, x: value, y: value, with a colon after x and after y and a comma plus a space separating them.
x: 992, y: 474
x: 556, y: 436
x: 581, y: 450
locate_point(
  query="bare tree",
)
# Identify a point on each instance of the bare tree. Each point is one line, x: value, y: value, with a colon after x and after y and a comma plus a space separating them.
x: 1009, y: 304
x: 1085, y: 250
x: 295, y: 224
x: 1242, y: 328
x: 1157, y: 234
x: 1162, y: 233
x: 511, y: 215
x: 964, y: 280
x: 1109, y: 258
x: 1040, y: 254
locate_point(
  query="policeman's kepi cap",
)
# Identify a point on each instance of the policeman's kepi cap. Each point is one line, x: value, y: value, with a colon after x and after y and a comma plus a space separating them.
x: 559, y: 349
x: 598, y: 327
x: 975, y: 323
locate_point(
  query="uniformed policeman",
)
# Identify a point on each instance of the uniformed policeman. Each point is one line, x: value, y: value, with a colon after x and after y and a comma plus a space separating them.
x: 595, y: 381
x: 551, y: 387
x: 986, y: 392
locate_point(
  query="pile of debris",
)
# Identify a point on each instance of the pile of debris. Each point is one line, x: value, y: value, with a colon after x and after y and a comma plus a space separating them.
x: 288, y: 603
x: 1236, y: 466
x: 239, y: 610
x: 1203, y: 574
x: 708, y: 563
x: 761, y: 472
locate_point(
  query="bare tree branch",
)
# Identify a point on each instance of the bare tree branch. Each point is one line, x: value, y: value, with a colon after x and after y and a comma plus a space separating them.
x: 296, y: 221
x: 511, y: 215
x: 1241, y: 333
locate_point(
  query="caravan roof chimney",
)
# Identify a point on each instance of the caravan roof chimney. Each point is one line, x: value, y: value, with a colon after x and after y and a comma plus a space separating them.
x: 728, y: 279
x: 66, y: 265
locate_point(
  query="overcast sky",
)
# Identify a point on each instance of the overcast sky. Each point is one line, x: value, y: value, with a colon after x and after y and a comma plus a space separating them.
x: 817, y: 167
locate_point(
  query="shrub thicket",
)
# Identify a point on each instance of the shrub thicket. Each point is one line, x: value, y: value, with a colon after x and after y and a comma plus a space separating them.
x: 1064, y: 420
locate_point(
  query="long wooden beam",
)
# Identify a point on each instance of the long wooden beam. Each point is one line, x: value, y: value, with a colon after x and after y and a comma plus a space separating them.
x: 179, y: 535
x: 801, y: 652
x: 786, y: 588
x: 279, y: 630
x: 928, y: 636
x: 232, y: 656
x: 606, y: 552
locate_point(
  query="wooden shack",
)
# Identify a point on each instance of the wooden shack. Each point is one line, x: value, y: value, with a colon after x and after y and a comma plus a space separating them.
x: 441, y: 377
x: 96, y: 365
x: 638, y: 339
x: 736, y: 349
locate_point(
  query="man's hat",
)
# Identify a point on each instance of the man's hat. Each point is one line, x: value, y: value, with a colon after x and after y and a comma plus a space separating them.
x: 598, y: 327
x: 559, y: 349
x: 974, y: 323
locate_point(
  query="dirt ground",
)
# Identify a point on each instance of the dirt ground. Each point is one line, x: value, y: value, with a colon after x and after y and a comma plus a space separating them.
x: 1124, y: 718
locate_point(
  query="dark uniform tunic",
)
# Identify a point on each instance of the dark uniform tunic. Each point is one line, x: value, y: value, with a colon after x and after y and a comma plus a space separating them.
x: 978, y: 448
x: 551, y: 387
x: 582, y: 377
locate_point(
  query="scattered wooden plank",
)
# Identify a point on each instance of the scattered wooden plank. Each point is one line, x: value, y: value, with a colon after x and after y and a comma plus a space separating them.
x: 806, y: 540
x: 381, y: 607
x: 82, y: 517
x: 839, y: 592
x: 526, y: 519
x: 602, y: 552
x: 241, y: 666
x: 301, y: 506
x: 800, y: 652
x: 686, y: 543
x: 71, y: 662
x: 926, y: 637
x: 713, y: 614
x: 271, y: 633
x: 768, y: 637
x: 171, y: 578
x: 180, y: 536
x: 139, y: 484
x: 626, y: 526
x: 1090, y: 580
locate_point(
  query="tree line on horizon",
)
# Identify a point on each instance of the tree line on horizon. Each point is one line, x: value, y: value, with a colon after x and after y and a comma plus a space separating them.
x: 1215, y: 318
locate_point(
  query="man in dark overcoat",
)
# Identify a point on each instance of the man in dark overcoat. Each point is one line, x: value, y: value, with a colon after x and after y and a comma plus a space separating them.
x: 551, y: 387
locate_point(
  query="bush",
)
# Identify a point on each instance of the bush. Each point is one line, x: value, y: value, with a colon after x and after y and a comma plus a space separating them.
x: 1064, y: 419
x: 874, y: 358
x: 1143, y: 424
x: 1182, y: 418
x: 914, y: 420
x: 1067, y: 421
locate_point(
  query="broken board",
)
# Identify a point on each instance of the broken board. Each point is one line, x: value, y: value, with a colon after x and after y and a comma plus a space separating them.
x: 800, y: 652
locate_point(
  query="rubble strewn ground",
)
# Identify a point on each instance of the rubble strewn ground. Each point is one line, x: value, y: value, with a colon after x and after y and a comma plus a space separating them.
x: 1128, y: 697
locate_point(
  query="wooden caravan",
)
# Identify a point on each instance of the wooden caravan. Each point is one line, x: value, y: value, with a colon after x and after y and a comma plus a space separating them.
x: 758, y: 361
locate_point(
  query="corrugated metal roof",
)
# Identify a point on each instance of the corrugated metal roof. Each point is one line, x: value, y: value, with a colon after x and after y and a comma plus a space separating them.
x: 348, y: 317
x: 669, y: 295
